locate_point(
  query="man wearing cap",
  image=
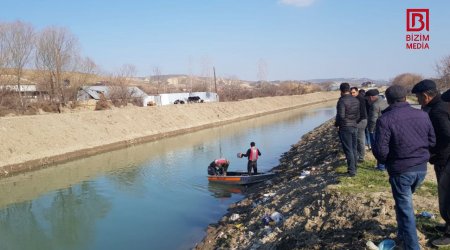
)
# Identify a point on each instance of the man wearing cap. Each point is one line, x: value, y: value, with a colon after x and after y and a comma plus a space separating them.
x: 429, y: 97
x: 375, y: 108
x: 402, y: 139
x: 347, y: 116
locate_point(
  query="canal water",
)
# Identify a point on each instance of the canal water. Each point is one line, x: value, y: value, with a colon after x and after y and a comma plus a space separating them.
x: 149, y: 196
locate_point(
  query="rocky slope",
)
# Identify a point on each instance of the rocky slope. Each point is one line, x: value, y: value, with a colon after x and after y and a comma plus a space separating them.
x: 316, y: 214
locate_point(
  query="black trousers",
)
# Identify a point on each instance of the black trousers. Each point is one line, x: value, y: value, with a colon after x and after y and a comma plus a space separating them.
x: 443, y: 180
x: 348, y: 137
x: 252, y: 165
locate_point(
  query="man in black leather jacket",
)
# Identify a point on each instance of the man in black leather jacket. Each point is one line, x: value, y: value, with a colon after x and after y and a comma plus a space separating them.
x: 438, y: 110
x: 347, y: 117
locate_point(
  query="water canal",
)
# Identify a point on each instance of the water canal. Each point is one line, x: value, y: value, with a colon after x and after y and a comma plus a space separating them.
x: 149, y: 196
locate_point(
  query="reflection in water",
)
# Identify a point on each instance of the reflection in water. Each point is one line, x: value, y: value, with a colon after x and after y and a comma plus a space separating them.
x: 225, y: 191
x: 64, y: 219
x: 135, y: 197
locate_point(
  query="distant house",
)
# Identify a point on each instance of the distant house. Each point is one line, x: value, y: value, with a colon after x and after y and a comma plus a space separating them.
x: 171, y: 98
x: 368, y: 85
x: 86, y: 93
x: 27, y: 88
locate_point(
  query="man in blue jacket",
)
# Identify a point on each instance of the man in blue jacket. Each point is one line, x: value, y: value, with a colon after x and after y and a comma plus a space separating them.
x: 402, y: 140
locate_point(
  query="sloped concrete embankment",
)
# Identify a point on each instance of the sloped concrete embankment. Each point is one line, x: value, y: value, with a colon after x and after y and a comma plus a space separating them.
x: 31, y: 142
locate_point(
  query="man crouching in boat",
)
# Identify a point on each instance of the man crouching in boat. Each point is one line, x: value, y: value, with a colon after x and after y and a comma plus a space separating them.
x: 218, y: 167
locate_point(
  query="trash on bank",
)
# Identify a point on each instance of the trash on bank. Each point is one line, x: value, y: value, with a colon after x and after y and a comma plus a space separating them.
x: 387, y: 244
x: 234, y: 217
x: 304, y: 173
x: 276, y: 217
x: 266, y: 220
x: 269, y: 194
x: 426, y: 214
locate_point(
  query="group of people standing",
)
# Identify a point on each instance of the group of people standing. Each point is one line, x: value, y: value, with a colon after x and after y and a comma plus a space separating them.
x: 403, y: 140
x: 357, y: 114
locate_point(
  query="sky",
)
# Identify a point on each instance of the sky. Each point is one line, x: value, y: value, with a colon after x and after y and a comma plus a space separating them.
x: 292, y: 39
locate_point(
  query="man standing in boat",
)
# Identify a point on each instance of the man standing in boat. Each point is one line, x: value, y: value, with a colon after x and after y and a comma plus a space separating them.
x: 252, y: 153
x: 218, y: 167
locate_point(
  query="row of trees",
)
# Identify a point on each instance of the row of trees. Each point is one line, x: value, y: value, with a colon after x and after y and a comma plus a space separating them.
x: 53, y: 52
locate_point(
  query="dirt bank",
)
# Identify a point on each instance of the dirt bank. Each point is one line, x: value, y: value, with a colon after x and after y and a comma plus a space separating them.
x: 31, y: 142
x: 325, y: 210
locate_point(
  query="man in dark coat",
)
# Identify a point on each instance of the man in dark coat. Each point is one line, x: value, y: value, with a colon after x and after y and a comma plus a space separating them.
x: 430, y: 99
x: 402, y: 140
x: 347, y: 116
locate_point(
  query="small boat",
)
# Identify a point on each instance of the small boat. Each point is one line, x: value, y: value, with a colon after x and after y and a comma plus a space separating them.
x: 240, y: 178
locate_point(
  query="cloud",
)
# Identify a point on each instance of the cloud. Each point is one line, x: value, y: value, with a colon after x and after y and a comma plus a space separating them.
x: 297, y: 3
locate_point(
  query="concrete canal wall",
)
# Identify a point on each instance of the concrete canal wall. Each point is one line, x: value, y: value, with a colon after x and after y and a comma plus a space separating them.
x: 32, y: 142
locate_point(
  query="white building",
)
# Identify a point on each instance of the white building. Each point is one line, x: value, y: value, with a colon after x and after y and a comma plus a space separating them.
x: 96, y: 92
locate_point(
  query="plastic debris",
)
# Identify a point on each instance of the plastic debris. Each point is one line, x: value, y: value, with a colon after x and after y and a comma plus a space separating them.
x: 234, y: 217
x: 276, y: 217
x: 426, y: 214
x: 302, y: 177
x: 266, y: 220
x: 371, y: 246
x: 304, y: 173
x: 269, y: 194
x: 387, y: 244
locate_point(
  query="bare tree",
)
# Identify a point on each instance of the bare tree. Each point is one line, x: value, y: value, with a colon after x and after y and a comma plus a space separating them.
x: 84, y: 70
x: 231, y: 91
x: 56, y: 48
x: 443, y: 70
x: 119, y: 89
x: 19, y: 42
x: 206, y: 73
x: 190, y: 63
x: 407, y: 80
x: 262, y: 70
x: 262, y: 77
x: 157, y: 77
x: 3, y: 49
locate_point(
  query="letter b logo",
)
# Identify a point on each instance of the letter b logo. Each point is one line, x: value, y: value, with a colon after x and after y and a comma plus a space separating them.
x: 417, y: 19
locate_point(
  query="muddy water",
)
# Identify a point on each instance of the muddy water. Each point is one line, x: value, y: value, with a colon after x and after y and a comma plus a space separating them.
x: 150, y: 196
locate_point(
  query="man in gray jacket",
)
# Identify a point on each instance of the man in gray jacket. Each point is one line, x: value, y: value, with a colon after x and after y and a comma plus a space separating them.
x: 362, y: 123
x: 376, y: 106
